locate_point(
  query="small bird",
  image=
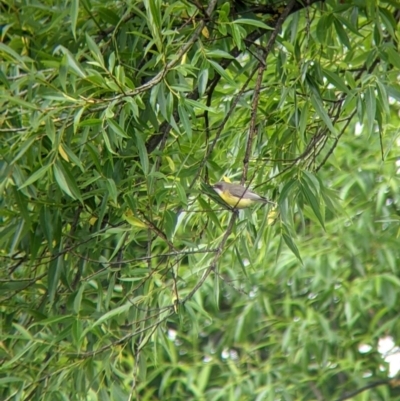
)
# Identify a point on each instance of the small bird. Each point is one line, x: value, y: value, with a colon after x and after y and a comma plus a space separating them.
x: 237, y: 196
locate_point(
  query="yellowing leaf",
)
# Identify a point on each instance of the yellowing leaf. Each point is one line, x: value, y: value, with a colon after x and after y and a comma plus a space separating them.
x: 134, y: 221
x: 92, y: 221
x: 272, y: 216
x: 171, y: 164
x: 184, y: 58
x: 205, y: 32
x: 61, y: 151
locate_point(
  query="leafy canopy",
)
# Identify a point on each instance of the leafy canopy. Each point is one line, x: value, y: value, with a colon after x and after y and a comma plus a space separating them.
x: 124, y: 276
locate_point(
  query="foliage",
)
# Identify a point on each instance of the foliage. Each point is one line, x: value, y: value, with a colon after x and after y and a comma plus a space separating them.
x: 123, y: 276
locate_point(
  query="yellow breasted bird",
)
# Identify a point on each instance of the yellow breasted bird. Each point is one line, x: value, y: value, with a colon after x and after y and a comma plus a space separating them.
x: 237, y: 196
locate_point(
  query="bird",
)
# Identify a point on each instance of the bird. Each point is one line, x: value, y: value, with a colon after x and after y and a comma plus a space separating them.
x: 238, y: 196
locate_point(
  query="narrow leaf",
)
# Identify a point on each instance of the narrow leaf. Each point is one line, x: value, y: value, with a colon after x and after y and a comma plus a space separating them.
x: 62, y: 182
x: 74, y: 10
x: 94, y: 49
x: 143, y: 156
x: 116, y: 128
x: 202, y: 81
x: 109, y: 315
x: 253, y: 22
x: 312, y: 201
x: 222, y: 72
x: 22, y: 149
x: 292, y: 246
x: 370, y: 109
x: 185, y: 120
x: 319, y: 108
x: 336, y: 80
x: 35, y: 176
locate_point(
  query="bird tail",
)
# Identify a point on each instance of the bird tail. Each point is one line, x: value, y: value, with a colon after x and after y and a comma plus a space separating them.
x: 266, y: 201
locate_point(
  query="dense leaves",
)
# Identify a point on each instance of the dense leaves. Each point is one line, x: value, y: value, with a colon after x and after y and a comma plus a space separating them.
x: 123, y: 274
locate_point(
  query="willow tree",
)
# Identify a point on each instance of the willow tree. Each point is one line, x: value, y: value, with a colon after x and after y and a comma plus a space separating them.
x: 123, y: 275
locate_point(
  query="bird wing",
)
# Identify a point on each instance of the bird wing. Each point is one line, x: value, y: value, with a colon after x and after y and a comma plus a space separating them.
x: 253, y: 196
x: 239, y: 191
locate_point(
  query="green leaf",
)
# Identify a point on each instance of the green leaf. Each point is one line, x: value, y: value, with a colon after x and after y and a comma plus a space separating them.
x: 142, y: 151
x: 217, y: 53
x: 24, y: 333
x: 170, y: 220
x: 73, y: 157
x: 22, y: 205
x: 77, y: 118
x: 290, y: 243
x: 393, y: 91
x: 303, y: 119
x: 112, y: 190
x: 323, y: 27
x: 312, y: 200
x: 35, y: 176
x: 199, y: 105
x: 224, y: 74
x: 111, y: 63
x: 382, y: 98
x: 66, y: 180
x: 238, y: 33
x: 76, y: 332
x: 71, y: 62
x: 319, y: 108
x: 55, y: 271
x: 116, y: 128
x: 370, y: 109
x: 348, y: 24
x: 394, y: 56
x: 252, y: 22
x: 23, y: 148
x: 19, y: 101
x: 14, y: 55
x: 107, y: 141
x: 96, y: 52
x: 342, y: 33
x: 388, y: 19
x: 107, y: 316
x: 90, y: 122
x: 181, y: 193
x: 185, y: 120
x: 336, y: 80
x: 62, y: 182
x: 74, y: 11
x: 78, y: 298
x: 110, y: 16
x: 202, y: 81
